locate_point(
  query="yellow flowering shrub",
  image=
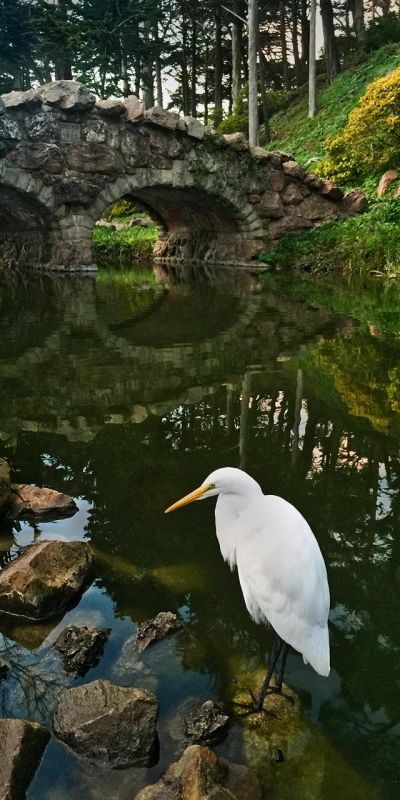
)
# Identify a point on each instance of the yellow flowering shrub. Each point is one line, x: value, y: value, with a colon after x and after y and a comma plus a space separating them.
x: 370, y: 142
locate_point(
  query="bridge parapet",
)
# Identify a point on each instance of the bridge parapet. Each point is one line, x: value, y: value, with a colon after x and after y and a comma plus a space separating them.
x: 65, y: 158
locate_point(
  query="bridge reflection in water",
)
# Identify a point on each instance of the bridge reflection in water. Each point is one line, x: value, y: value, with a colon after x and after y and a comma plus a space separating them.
x: 126, y: 396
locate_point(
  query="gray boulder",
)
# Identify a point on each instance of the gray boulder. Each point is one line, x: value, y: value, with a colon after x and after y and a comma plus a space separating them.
x: 80, y: 647
x: 44, y: 579
x: 27, y: 100
x: 22, y: 745
x: 164, y: 624
x: 114, y: 725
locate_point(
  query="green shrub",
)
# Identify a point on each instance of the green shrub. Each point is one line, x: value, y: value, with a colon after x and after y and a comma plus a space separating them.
x: 122, y: 208
x: 370, y: 142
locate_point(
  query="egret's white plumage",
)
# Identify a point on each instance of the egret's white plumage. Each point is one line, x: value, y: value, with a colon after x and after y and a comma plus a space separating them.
x: 281, y: 570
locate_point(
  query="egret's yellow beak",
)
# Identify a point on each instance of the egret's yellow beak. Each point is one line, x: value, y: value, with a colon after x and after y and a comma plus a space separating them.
x: 189, y: 498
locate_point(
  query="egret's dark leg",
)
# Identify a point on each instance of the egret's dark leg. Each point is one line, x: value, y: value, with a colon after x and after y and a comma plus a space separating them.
x: 277, y: 649
x: 284, y: 655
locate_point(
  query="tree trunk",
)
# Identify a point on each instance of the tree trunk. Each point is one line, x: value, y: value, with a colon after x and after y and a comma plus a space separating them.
x: 62, y: 64
x: 147, y: 71
x: 312, y: 66
x: 328, y: 27
x: 218, y: 69
x: 236, y: 61
x: 159, y: 86
x: 207, y: 55
x: 253, y: 37
x: 358, y: 21
x: 184, y: 81
x: 282, y: 31
x: 263, y: 82
x: 194, y: 68
x: 305, y: 34
x: 295, y: 42
x: 124, y: 69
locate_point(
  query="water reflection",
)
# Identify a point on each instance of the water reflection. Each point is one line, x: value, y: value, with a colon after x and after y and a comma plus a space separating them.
x: 126, y: 397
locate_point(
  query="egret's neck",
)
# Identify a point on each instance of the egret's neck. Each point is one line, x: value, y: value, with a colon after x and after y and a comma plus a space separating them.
x: 228, y: 509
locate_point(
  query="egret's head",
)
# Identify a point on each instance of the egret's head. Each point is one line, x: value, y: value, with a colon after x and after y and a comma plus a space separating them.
x: 227, y: 480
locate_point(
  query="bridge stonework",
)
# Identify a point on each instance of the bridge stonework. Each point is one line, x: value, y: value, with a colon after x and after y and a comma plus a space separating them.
x: 65, y: 159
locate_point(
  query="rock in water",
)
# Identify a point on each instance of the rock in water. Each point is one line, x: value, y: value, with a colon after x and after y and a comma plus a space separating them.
x: 207, y: 723
x: 115, y: 725
x: 5, y: 486
x: 164, y: 624
x: 200, y: 775
x: 34, y: 501
x: 22, y: 745
x: 80, y: 647
x: 44, y: 579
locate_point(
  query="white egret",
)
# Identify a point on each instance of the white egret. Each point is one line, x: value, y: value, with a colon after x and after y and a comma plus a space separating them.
x: 281, y: 569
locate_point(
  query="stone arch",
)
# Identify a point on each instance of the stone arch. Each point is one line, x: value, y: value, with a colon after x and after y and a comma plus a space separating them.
x: 196, y: 219
x: 28, y: 227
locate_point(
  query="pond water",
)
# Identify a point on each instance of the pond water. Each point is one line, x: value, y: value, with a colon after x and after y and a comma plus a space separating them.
x: 126, y: 393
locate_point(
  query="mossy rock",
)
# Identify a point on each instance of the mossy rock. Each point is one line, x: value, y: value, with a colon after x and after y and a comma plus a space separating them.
x: 5, y: 484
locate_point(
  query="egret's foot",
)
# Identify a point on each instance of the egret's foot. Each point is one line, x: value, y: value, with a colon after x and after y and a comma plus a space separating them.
x: 256, y: 706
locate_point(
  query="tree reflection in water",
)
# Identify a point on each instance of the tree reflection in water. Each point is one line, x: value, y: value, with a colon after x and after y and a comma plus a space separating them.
x: 305, y: 401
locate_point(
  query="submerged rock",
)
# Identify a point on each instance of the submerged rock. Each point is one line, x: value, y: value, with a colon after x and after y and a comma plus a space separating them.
x: 207, y: 723
x: 115, y: 725
x: 44, y: 579
x: 200, y: 775
x: 164, y: 624
x: 80, y: 647
x: 34, y: 501
x: 22, y: 745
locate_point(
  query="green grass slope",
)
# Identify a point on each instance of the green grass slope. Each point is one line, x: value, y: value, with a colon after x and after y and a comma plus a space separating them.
x: 304, y: 138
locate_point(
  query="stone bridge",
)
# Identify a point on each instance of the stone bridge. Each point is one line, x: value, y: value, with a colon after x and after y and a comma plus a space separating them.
x: 65, y: 159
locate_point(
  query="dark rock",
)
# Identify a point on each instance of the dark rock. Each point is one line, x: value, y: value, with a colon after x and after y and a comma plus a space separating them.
x: 292, y: 194
x: 115, y: 725
x: 89, y: 157
x: 95, y: 131
x: 135, y: 149
x: 39, y: 156
x: 10, y: 130
x: 5, y: 483
x: 277, y: 180
x: 67, y: 95
x: 78, y: 190
x: 44, y: 579
x: 37, y: 501
x: 164, y: 143
x: 200, y: 775
x: 43, y: 127
x: 270, y: 205
x: 80, y: 647
x: 2, y: 107
x: 164, y: 624
x: 22, y: 745
x: 27, y: 100
x: 207, y: 723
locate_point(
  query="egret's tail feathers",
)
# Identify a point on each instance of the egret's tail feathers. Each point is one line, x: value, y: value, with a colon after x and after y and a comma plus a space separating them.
x: 318, y: 654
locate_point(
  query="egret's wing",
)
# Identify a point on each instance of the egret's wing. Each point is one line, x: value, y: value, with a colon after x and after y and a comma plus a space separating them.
x: 283, y: 577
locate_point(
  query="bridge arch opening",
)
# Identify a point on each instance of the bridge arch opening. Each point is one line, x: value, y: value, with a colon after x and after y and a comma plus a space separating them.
x: 193, y: 222
x: 26, y: 229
